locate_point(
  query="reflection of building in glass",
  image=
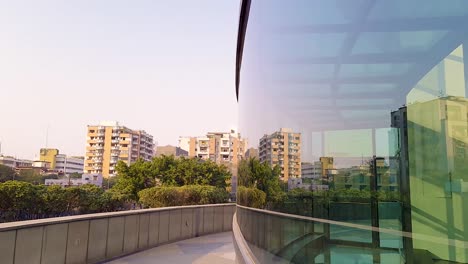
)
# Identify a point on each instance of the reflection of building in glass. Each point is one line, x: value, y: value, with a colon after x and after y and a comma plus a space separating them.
x: 282, y: 148
x: 335, y: 70
x: 434, y: 141
x: 311, y: 177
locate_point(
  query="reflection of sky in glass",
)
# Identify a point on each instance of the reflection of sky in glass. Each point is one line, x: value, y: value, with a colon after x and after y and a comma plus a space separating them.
x: 337, y: 76
x: 408, y: 41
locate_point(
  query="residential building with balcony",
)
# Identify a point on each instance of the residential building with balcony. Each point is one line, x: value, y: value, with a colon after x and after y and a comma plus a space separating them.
x: 110, y: 142
x: 220, y: 147
x: 282, y: 148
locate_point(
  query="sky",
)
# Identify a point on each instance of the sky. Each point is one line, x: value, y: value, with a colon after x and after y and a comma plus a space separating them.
x: 166, y: 67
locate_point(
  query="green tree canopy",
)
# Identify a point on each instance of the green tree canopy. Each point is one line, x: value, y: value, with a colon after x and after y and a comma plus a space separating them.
x: 6, y: 173
x: 253, y: 173
x: 169, y: 171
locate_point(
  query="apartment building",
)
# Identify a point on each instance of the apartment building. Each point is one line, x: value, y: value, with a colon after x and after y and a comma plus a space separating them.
x: 60, y: 163
x: 282, y: 148
x: 109, y: 142
x: 220, y: 147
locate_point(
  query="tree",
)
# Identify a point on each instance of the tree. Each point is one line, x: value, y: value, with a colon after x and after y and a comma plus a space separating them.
x: 20, y: 199
x: 6, y: 173
x: 253, y: 173
x: 134, y: 178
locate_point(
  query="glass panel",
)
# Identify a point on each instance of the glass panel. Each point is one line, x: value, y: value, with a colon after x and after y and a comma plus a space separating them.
x: 362, y: 129
x: 384, y: 9
x: 393, y: 42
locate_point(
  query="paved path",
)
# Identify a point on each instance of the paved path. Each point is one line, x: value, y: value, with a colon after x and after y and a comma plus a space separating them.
x: 215, y: 248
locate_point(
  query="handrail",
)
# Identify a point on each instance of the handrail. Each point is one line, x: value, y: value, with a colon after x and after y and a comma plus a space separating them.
x: 68, y: 219
x: 443, y: 241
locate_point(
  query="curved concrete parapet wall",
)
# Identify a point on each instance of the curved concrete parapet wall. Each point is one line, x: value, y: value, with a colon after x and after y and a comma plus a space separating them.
x: 95, y: 238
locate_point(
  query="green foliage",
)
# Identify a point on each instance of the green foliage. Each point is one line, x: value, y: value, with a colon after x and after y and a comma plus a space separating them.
x: 251, y: 197
x: 185, y: 195
x: 22, y: 200
x: 253, y: 173
x: 17, y: 198
x: 169, y: 171
x: 75, y: 175
x: 134, y: 178
x: 6, y: 173
x: 31, y: 176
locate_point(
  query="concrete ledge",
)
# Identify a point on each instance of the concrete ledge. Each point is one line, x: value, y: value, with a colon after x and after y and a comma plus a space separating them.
x: 244, y: 254
x: 95, y: 238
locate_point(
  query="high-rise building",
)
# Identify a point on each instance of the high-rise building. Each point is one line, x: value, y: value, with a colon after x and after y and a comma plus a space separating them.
x: 109, y: 142
x: 282, y: 148
x: 220, y: 147
x: 226, y: 148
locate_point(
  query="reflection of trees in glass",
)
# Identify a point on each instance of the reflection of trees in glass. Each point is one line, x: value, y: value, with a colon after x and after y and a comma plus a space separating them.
x: 253, y: 173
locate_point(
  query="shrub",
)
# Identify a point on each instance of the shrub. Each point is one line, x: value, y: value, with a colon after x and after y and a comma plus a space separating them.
x: 184, y: 195
x: 251, y: 197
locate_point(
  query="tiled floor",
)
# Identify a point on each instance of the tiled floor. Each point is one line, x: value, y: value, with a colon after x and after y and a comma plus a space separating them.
x: 215, y: 248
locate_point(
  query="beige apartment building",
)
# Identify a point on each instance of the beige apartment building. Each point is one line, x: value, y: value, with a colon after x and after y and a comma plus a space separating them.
x: 282, y: 148
x: 220, y: 147
x: 109, y: 142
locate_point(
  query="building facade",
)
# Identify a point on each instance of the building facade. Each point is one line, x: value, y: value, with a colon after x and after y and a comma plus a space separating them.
x: 61, y: 163
x: 49, y: 155
x: 282, y: 148
x: 251, y: 153
x: 170, y: 151
x: 14, y: 163
x: 378, y: 92
x: 110, y: 142
x: 95, y: 179
x: 69, y: 164
x: 220, y: 147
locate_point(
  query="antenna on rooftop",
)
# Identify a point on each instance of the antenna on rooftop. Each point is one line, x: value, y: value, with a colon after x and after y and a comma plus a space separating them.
x: 47, y: 136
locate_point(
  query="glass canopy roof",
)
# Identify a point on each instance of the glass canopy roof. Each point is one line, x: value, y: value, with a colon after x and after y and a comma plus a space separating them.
x: 347, y: 49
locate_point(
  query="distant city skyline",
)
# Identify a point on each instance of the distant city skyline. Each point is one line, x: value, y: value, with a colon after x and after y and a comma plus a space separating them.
x: 68, y: 65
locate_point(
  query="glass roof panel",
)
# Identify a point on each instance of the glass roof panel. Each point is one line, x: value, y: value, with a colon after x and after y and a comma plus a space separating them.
x: 397, y: 42
x: 373, y: 70
x: 300, y: 71
x: 395, y: 9
x: 292, y: 47
x: 310, y: 12
x: 366, y: 87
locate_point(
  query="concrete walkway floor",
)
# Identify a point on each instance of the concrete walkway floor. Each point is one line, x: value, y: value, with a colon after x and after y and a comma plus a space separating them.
x: 216, y: 248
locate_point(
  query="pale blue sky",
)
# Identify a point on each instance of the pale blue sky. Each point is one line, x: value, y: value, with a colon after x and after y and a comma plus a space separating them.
x: 163, y: 66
